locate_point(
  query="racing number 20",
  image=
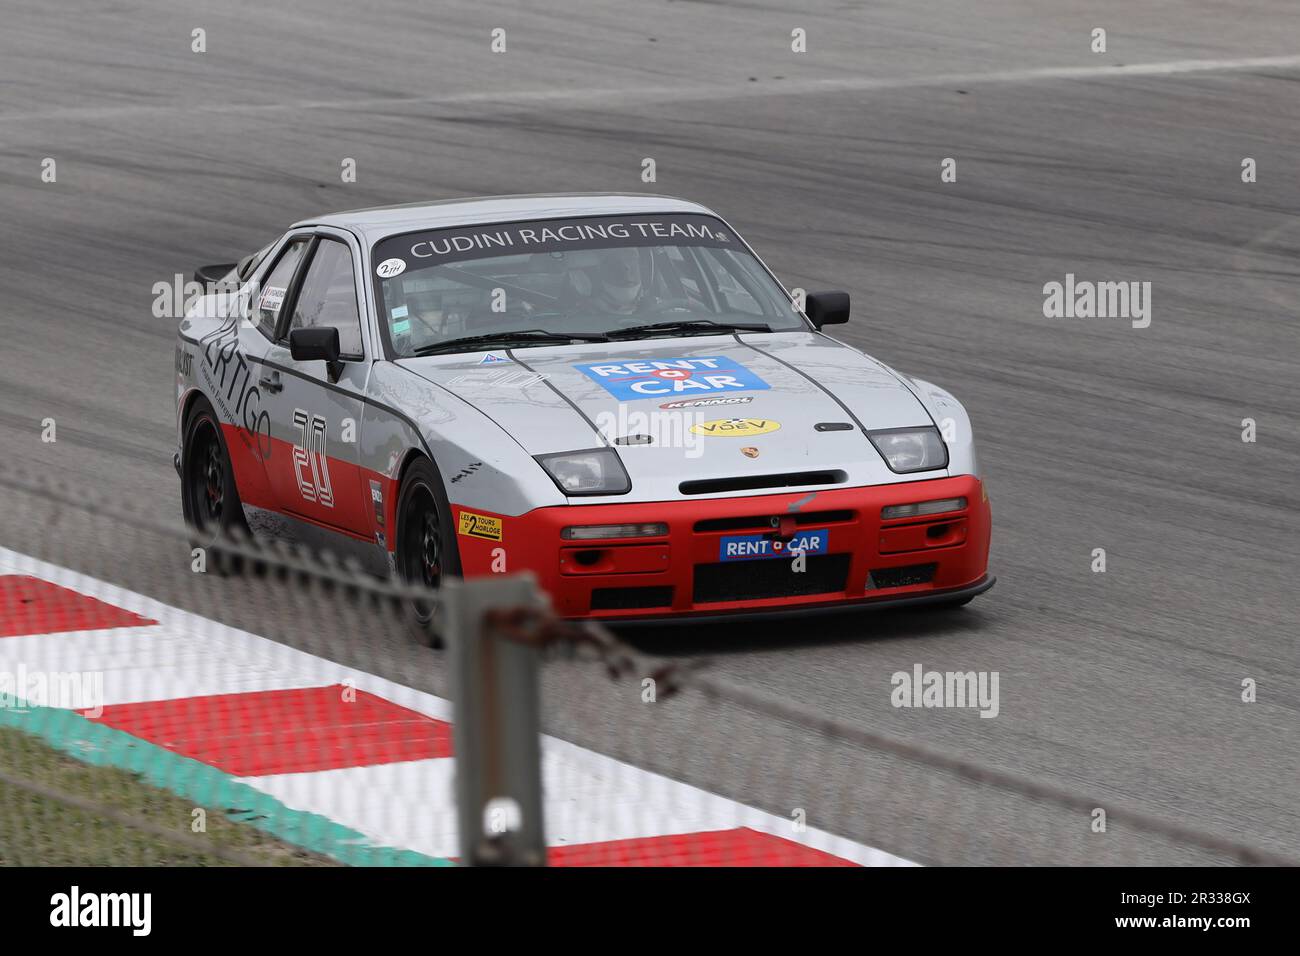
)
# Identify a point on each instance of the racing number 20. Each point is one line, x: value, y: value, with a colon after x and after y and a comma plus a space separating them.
x: 310, y: 465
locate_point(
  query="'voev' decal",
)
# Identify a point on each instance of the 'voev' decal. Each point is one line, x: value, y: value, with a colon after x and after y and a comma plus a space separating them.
x: 672, y: 377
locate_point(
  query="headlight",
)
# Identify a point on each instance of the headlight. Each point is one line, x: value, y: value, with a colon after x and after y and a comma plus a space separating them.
x: 597, y: 471
x: 911, y: 449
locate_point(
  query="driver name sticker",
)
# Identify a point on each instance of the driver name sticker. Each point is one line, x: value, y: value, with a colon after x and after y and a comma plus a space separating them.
x: 390, y: 267
x: 672, y: 377
x: 272, y: 298
x: 479, y: 526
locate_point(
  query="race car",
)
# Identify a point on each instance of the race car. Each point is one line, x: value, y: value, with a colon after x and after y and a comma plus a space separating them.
x: 610, y: 391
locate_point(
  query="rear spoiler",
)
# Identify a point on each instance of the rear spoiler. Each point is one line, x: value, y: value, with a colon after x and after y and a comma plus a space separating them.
x: 212, y: 277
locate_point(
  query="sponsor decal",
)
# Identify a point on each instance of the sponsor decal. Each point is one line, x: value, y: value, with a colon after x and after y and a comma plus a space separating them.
x: 390, y: 268
x: 491, y: 359
x: 749, y: 451
x: 377, y: 496
x: 672, y: 377
x: 479, y: 526
x: 735, y: 427
x: 465, y: 472
x: 753, y: 547
x: 230, y: 386
x: 708, y: 402
x: 555, y: 236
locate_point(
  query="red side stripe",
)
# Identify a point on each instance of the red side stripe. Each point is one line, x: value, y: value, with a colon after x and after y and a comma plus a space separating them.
x: 739, y: 847
x: 285, y: 731
x: 32, y: 606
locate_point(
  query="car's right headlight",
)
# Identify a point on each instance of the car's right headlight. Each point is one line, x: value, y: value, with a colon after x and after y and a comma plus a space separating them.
x: 911, y: 449
x: 597, y: 471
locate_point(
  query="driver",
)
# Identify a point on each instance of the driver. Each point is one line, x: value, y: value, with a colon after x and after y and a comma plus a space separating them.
x: 619, y: 283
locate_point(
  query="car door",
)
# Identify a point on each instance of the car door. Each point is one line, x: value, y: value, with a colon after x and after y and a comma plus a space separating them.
x: 316, y: 407
x: 231, y: 357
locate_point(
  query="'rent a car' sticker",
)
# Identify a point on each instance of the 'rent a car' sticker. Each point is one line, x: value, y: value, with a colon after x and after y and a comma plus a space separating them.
x: 672, y: 377
x: 753, y: 547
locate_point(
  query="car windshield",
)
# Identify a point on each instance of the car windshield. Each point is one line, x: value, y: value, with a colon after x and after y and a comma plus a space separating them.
x: 625, y: 277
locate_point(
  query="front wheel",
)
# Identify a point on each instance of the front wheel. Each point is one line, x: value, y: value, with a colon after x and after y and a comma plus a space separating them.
x: 426, y: 552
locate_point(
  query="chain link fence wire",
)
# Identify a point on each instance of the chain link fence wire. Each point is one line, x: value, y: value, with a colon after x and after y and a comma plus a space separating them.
x: 132, y: 785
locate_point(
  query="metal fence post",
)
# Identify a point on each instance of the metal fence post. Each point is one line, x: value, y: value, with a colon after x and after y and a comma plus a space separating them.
x: 496, y: 724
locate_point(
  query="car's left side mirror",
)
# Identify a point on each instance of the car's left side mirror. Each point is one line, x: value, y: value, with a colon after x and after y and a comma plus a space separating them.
x: 827, y: 308
x: 317, y: 344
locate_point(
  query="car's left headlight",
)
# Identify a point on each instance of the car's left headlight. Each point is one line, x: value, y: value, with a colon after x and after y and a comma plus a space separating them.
x: 597, y: 471
x: 911, y: 449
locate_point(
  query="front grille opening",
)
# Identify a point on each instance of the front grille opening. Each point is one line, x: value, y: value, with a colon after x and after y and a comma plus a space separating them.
x: 622, y: 599
x: 792, y: 479
x: 802, y: 519
x: 770, y: 578
x: 904, y: 576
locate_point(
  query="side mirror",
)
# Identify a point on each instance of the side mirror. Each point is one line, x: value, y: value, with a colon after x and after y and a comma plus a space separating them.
x: 827, y: 308
x: 318, y: 344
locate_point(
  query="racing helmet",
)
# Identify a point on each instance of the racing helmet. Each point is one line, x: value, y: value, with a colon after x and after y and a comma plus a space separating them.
x: 620, y: 277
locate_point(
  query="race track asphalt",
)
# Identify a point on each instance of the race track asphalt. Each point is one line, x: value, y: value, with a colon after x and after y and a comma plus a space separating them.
x: 1122, y: 166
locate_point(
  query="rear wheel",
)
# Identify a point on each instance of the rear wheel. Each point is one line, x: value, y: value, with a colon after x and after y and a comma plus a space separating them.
x: 426, y: 552
x: 209, y: 497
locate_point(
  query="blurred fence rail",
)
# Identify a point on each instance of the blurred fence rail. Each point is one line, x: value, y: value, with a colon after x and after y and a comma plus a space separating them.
x: 127, y: 786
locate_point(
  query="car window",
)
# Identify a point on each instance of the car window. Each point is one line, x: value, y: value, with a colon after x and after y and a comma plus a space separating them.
x: 271, y: 297
x: 726, y: 279
x: 328, y: 297
x: 591, y: 275
x: 248, y: 265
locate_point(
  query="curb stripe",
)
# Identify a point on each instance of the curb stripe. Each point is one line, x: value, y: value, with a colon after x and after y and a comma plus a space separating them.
x: 31, y: 605
x: 738, y: 847
x: 284, y: 731
x: 103, y: 746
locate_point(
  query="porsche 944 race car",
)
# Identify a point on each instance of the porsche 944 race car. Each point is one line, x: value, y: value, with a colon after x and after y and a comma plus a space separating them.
x: 613, y: 392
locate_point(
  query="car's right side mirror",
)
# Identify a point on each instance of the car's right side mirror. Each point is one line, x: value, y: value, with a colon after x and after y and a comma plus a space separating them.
x: 827, y: 308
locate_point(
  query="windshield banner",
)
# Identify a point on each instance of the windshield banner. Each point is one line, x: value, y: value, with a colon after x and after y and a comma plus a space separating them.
x: 396, y: 254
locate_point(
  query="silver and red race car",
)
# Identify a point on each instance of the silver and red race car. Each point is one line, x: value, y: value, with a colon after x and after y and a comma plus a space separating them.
x: 612, y: 392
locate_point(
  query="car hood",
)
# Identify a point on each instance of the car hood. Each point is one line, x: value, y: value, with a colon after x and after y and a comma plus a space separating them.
x: 802, y: 400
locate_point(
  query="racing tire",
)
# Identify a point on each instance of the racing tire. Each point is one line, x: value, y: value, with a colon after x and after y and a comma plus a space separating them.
x: 425, y: 549
x: 209, y: 498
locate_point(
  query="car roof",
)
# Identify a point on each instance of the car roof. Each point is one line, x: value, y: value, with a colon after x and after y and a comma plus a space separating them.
x: 378, y: 222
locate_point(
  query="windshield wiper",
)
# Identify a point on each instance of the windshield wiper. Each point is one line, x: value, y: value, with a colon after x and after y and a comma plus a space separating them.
x: 470, y: 342
x: 689, y: 325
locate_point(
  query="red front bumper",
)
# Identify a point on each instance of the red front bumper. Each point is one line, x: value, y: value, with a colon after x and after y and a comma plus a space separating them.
x: 861, y: 560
